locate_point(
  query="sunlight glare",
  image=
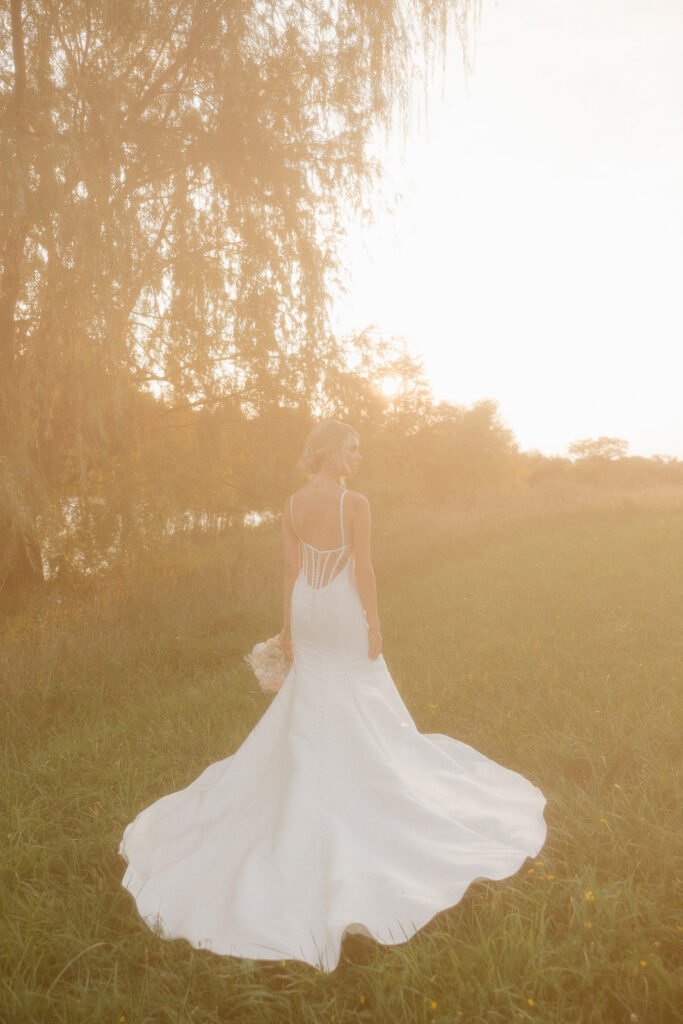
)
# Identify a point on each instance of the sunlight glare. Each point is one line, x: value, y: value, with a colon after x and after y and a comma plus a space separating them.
x: 535, y: 254
x: 389, y: 386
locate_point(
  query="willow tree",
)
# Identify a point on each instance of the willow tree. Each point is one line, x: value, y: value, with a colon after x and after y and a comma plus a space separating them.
x: 174, y: 180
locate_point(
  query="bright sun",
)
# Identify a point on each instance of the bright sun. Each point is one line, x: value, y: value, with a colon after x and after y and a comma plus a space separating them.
x: 390, y: 386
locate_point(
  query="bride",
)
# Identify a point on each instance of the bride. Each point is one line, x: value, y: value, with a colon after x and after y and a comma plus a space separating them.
x: 335, y: 815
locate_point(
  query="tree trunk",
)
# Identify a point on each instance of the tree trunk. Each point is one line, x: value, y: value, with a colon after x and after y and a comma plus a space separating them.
x: 19, y: 553
x: 13, y: 255
x: 20, y: 564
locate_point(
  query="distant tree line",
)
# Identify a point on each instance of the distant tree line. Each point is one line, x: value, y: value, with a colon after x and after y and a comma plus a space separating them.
x: 604, y: 462
x: 179, y: 469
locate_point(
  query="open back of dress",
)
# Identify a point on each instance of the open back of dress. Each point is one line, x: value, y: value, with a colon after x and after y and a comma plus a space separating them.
x: 321, y: 565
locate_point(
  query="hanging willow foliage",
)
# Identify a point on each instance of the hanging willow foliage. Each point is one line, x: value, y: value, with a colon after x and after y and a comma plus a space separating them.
x: 174, y: 180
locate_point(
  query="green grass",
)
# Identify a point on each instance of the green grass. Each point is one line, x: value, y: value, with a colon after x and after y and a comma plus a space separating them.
x: 551, y: 642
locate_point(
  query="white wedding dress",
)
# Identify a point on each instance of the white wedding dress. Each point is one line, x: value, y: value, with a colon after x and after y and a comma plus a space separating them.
x: 335, y: 815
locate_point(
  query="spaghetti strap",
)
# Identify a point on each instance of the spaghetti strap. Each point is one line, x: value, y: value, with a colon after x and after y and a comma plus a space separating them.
x: 291, y: 515
x: 341, y: 517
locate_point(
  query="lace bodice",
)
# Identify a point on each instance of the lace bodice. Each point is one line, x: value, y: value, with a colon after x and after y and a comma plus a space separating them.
x: 321, y: 566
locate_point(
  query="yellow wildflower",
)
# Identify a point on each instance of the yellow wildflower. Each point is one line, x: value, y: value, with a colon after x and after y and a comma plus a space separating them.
x: 550, y: 878
x: 643, y: 963
x: 432, y: 1005
x: 530, y: 1002
x: 590, y: 898
x: 530, y: 871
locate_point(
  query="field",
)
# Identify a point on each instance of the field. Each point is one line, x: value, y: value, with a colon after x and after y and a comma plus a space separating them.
x: 547, y: 634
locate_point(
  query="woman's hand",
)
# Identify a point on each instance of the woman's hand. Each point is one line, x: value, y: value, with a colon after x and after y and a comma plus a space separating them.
x: 285, y: 640
x: 375, y: 644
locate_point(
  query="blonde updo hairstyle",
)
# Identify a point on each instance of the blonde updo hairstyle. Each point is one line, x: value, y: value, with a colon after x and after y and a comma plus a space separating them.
x: 331, y: 438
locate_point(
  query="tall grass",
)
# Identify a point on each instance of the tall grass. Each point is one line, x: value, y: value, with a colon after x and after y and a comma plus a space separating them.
x: 549, y: 637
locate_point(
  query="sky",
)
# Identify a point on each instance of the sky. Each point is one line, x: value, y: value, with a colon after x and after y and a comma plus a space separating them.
x: 536, y: 253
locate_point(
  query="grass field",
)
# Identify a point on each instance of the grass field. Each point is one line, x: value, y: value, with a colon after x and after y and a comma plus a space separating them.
x: 550, y: 641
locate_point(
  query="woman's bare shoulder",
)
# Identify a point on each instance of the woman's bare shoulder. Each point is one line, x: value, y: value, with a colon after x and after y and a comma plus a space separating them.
x: 296, y: 498
x: 301, y: 492
x: 357, y: 501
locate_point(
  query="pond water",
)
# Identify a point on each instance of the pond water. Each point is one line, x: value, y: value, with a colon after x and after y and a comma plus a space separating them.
x: 91, y: 558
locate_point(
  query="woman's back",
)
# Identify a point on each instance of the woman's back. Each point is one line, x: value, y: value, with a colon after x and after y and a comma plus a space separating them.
x: 322, y: 518
x: 318, y: 520
x: 327, y: 617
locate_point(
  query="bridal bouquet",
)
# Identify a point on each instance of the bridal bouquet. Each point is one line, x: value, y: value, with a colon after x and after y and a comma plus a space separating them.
x: 270, y: 664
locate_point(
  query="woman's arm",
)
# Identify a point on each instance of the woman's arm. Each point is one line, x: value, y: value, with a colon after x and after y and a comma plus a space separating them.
x: 290, y: 546
x: 365, y: 574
